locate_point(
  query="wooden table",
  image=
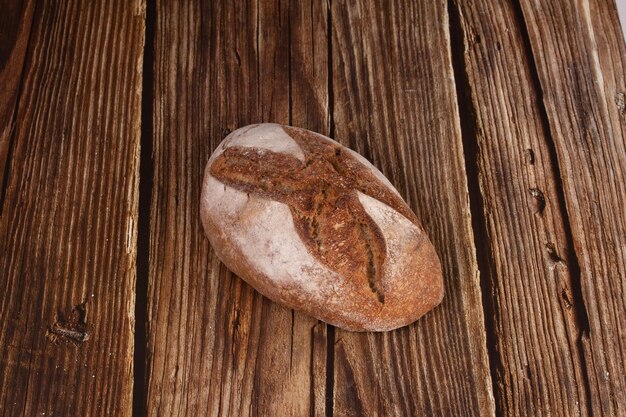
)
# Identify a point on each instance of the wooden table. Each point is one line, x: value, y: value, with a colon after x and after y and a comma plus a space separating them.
x: 503, y: 124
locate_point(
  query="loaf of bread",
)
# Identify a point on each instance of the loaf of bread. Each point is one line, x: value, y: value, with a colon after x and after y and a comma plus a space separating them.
x: 314, y: 226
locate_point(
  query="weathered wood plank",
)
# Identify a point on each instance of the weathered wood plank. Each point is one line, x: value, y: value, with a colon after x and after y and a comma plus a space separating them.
x: 215, y: 345
x: 532, y: 291
x: 581, y: 64
x: 68, y: 225
x: 395, y: 102
x: 15, y: 24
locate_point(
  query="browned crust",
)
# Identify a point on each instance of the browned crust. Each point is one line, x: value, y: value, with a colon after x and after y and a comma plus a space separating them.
x: 321, y: 193
x: 356, y: 302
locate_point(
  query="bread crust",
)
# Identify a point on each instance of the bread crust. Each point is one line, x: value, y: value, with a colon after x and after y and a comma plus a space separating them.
x: 314, y: 226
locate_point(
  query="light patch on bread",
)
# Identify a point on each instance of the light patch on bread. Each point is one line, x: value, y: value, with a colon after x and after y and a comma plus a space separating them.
x: 399, y: 234
x: 264, y: 232
x: 220, y: 198
x: 267, y: 237
x: 268, y: 136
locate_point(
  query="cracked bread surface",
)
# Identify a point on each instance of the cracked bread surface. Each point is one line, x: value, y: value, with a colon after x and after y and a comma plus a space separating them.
x: 314, y: 226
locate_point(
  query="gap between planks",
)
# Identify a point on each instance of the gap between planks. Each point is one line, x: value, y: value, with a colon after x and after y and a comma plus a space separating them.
x: 146, y: 173
x: 330, y: 335
x: 482, y: 244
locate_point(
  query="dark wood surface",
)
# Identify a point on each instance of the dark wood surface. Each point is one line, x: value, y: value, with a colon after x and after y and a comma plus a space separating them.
x: 16, y: 23
x: 392, y: 84
x: 502, y: 124
x: 69, y: 208
x: 582, y: 78
x: 215, y: 345
x: 532, y: 302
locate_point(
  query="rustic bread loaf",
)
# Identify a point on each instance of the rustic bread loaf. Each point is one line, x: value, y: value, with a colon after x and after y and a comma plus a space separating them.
x: 314, y: 226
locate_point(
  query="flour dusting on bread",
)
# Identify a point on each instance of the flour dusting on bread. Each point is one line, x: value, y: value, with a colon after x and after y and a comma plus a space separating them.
x: 266, y: 227
x: 265, y: 232
x: 269, y: 136
x: 222, y: 199
x: 397, y: 230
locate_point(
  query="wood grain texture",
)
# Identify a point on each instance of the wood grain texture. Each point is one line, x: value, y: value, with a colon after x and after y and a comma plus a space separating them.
x: 68, y: 225
x: 395, y: 103
x: 15, y: 24
x: 540, y: 367
x: 581, y: 64
x: 215, y: 346
x: 537, y: 133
